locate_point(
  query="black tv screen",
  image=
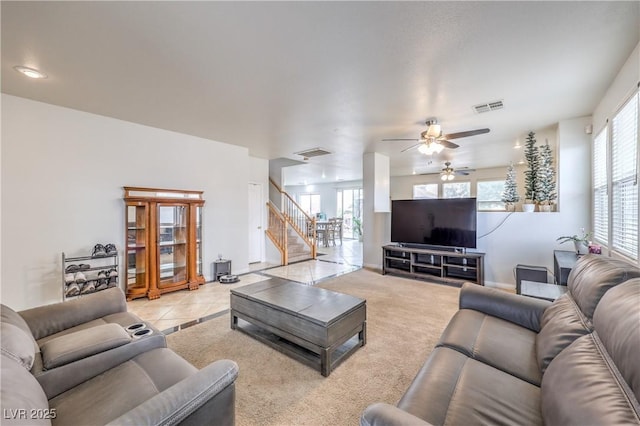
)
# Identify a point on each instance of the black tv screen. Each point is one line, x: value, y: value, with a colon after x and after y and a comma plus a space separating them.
x: 438, y: 222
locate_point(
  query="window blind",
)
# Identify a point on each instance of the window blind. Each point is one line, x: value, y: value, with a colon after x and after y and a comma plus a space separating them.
x: 624, y: 169
x: 600, y: 197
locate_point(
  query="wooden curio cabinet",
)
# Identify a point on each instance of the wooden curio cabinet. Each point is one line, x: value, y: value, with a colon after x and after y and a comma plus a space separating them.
x: 164, y: 246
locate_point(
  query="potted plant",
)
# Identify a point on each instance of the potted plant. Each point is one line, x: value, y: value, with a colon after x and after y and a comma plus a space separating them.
x: 530, y: 175
x: 580, y: 243
x: 357, y: 227
x: 510, y: 194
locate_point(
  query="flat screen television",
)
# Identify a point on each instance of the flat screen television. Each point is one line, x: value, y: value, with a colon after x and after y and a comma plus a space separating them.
x: 447, y: 222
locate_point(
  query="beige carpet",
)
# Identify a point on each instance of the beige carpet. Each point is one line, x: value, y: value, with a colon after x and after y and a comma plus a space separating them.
x: 404, y: 321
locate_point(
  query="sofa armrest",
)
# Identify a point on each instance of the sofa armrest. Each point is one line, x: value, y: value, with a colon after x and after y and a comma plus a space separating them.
x: 185, y: 398
x: 381, y: 414
x: 49, y: 319
x: 522, y: 310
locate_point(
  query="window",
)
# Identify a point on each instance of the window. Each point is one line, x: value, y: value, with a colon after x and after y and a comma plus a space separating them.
x: 624, y: 179
x: 456, y: 190
x: 427, y: 190
x: 310, y: 203
x: 600, y: 198
x: 490, y: 195
x: 615, y: 182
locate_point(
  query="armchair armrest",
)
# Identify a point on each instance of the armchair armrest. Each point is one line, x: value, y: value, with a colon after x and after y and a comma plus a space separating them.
x: 186, y: 397
x: 381, y: 414
x: 521, y: 310
x: 46, y: 320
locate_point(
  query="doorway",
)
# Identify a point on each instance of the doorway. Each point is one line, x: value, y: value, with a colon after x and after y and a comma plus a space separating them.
x: 256, y: 231
x: 349, y: 207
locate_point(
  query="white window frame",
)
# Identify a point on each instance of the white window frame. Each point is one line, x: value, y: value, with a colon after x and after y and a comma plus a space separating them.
x: 621, y: 240
x: 624, y: 185
x: 309, y: 211
x: 600, y: 186
x: 455, y: 183
x: 499, y: 200
x: 437, y: 186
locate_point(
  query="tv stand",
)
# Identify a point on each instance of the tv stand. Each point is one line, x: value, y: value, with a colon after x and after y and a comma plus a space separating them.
x: 448, y: 266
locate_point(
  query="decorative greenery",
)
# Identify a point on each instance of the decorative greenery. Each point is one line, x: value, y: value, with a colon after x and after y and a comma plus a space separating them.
x: 357, y: 226
x: 530, y: 175
x: 584, y: 239
x: 545, y: 183
x: 510, y: 193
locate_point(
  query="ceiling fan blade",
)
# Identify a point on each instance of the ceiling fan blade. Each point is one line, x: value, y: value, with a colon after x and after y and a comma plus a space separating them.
x: 387, y: 140
x: 412, y: 146
x: 465, y: 134
x: 461, y: 172
x: 429, y: 174
x: 448, y: 144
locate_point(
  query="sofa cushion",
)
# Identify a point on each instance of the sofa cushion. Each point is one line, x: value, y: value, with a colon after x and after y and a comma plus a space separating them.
x: 22, y: 399
x: 494, y: 341
x: 452, y: 388
x: 9, y: 316
x: 581, y: 387
x: 51, y: 319
x: 17, y: 345
x: 116, y: 391
x: 593, y: 275
x: 123, y: 319
x: 81, y: 344
x: 561, y: 324
x: 596, y: 380
x: 617, y: 323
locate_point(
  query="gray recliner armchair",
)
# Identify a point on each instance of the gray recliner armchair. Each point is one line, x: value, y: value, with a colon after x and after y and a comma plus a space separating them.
x: 77, y: 363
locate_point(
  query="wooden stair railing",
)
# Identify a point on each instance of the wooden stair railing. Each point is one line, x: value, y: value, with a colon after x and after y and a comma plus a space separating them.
x: 300, y: 221
x: 277, y: 232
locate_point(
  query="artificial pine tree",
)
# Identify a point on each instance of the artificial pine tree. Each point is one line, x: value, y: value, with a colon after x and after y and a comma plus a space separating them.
x: 510, y: 193
x: 545, y: 177
x: 530, y: 175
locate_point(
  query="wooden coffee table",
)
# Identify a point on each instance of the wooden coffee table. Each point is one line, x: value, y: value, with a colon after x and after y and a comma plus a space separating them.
x: 318, y: 327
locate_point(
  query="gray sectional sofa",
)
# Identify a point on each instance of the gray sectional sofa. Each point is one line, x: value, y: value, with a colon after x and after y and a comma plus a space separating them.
x: 506, y: 359
x: 90, y: 362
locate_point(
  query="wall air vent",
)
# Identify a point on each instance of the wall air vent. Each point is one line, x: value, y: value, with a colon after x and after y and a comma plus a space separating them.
x: 489, y: 106
x: 314, y: 152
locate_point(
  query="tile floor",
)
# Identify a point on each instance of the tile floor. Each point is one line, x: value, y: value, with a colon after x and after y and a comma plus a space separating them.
x: 173, y: 311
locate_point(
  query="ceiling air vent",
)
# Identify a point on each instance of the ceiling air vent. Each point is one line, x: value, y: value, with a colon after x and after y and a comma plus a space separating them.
x: 314, y: 152
x: 489, y: 106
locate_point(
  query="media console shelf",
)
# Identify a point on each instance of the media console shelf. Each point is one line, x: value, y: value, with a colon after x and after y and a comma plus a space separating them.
x: 449, y: 266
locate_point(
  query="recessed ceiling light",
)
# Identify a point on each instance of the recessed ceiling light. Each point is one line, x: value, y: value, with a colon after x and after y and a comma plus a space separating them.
x: 30, y: 72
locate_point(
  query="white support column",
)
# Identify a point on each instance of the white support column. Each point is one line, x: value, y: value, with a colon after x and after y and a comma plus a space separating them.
x: 376, y: 222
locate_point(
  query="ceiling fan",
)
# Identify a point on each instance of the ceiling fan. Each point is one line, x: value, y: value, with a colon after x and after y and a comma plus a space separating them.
x: 432, y: 141
x: 449, y: 173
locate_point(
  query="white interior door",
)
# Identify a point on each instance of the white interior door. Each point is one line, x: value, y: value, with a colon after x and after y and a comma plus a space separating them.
x: 256, y: 231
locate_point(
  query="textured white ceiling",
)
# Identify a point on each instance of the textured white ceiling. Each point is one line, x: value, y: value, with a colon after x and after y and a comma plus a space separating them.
x: 281, y: 77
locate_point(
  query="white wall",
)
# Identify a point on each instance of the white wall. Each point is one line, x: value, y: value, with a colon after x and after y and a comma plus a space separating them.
x: 529, y: 238
x: 625, y: 83
x: 62, y: 176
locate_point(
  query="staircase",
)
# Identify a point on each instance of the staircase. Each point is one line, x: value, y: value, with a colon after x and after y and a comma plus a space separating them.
x: 291, y: 230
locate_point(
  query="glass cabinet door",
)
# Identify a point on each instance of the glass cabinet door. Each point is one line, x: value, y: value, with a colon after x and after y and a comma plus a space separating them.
x: 136, y: 246
x: 172, y: 244
x: 199, y: 241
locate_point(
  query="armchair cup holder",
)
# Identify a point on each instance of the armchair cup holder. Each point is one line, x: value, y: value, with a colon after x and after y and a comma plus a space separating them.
x: 141, y: 333
x: 136, y: 327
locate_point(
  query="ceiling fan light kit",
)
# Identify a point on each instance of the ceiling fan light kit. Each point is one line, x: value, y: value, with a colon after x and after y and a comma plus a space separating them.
x: 430, y: 148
